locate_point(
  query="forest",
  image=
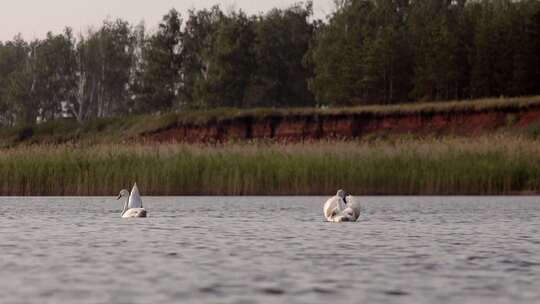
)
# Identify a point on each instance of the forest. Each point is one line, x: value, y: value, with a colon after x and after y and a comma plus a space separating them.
x: 365, y: 52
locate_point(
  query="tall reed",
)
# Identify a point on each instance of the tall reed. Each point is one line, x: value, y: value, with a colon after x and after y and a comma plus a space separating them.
x: 495, y: 164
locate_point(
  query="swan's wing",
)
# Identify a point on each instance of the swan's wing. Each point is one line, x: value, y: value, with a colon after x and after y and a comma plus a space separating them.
x: 135, y: 200
x: 331, y: 205
x: 354, y: 204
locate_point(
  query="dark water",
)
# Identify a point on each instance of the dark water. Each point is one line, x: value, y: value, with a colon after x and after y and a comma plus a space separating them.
x: 270, y: 250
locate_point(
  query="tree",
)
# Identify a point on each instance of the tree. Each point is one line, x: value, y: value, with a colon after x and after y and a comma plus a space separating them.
x: 526, y: 60
x: 198, y: 46
x: 104, y: 71
x: 19, y: 85
x: 387, y: 60
x: 158, y: 82
x: 54, y: 73
x: 282, y: 39
x: 491, y: 64
x: 230, y: 65
x: 13, y: 57
x: 434, y: 34
x: 338, y: 53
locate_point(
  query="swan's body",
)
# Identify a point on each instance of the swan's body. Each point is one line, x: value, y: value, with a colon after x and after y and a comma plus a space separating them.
x: 133, y: 205
x: 341, y: 208
x: 135, y: 212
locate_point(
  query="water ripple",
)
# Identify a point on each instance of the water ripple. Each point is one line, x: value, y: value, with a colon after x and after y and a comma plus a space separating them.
x: 270, y: 250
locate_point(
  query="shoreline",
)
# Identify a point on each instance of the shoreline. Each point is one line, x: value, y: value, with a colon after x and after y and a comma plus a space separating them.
x: 112, y: 197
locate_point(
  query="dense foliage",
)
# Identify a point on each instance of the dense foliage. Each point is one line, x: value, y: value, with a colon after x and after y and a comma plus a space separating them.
x: 365, y: 52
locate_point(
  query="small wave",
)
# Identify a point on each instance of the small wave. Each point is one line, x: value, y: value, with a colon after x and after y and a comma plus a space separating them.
x: 396, y: 293
x: 520, y: 263
x: 321, y: 290
x: 213, y: 289
x: 474, y: 258
x: 317, y: 290
x: 272, y: 291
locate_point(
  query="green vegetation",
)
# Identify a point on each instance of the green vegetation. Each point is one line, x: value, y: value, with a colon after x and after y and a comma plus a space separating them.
x: 122, y: 129
x: 495, y: 164
x: 97, y: 94
x: 365, y: 52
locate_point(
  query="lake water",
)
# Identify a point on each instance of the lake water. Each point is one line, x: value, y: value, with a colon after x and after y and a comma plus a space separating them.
x: 270, y: 250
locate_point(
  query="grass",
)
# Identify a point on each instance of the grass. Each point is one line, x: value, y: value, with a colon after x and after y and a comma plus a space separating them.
x: 117, y: 130
x: 493, y: 164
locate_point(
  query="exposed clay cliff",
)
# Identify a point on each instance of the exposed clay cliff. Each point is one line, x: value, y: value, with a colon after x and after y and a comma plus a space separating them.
x: 467, y: 118
x: 347, y: 126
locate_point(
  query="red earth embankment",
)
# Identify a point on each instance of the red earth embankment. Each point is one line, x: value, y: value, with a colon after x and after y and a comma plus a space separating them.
x: 467, y: 119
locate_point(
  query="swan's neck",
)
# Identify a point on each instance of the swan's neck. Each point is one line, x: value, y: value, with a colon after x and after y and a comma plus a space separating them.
x: 341, y: 204
x: 125, y: 206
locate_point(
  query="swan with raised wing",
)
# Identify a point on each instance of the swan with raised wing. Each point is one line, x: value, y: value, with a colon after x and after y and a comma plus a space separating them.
x: 133, y: 206
x: 341, y: 208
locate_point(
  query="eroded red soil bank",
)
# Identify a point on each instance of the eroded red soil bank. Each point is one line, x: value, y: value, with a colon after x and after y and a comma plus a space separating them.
x: 295, y: 128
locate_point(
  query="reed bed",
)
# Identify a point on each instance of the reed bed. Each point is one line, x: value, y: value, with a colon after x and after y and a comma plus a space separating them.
x: 495, y: 164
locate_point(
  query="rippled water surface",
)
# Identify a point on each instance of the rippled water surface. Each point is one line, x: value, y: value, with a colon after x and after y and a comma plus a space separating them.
x: 270, y: 250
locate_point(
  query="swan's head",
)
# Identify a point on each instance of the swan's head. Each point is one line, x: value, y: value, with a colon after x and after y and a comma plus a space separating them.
x: 123, y: 193
x: 341, y: 193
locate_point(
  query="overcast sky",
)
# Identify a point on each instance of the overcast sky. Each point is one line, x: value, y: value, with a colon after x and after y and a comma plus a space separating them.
x: 34, y: 18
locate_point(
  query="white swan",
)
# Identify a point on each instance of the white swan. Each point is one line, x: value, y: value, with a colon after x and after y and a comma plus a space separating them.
x: 341, y: 208
x: 133, y: 206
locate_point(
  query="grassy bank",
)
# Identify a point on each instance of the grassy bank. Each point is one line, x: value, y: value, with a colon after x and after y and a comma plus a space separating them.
x: 495, y: 164
x: 117, y: 130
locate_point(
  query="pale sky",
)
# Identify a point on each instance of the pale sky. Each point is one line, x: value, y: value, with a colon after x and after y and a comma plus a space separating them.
x: 34, y: 18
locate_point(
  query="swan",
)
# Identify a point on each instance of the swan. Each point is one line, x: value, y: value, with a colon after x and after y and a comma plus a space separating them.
x: 341, y: 208
x: 133, y: 206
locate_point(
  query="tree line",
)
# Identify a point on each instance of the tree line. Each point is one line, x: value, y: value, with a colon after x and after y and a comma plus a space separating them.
x: 365, y: 52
